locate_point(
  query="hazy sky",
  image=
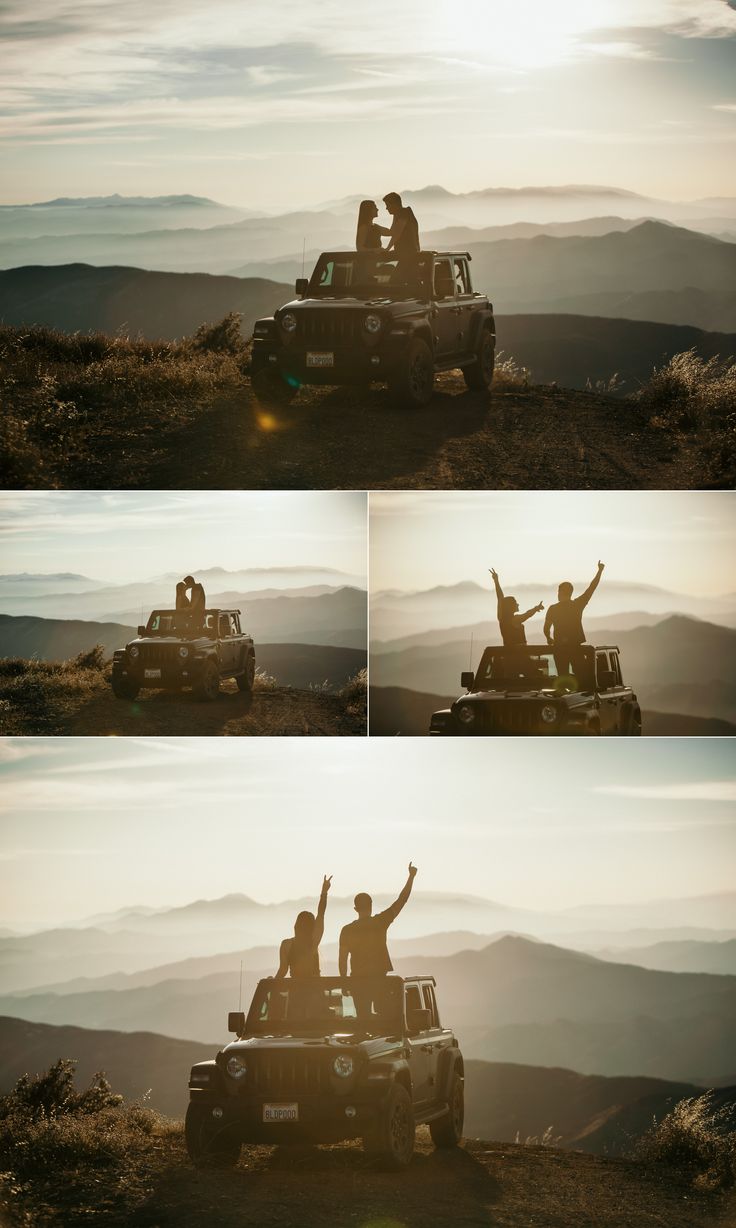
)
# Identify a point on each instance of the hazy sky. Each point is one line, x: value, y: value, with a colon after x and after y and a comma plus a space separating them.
x: 685, y: 542
x: 127, y: 536
x: 92, y: 825
x: 284, y: 102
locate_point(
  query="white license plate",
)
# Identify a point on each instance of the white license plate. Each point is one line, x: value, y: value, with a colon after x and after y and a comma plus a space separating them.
x: 281, y: 1112
x: 152, y: 673
x: 320, y: 360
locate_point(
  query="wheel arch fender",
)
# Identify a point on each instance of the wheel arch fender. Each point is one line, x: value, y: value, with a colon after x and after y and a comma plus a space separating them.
x: 482, y: 320
x: 451, y: 1062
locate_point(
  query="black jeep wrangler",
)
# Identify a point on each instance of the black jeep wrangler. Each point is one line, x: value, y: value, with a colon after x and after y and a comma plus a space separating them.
x: 324, y: 1059
x: 518, y: 690
x: 365, y: 317
x: 172, y: 652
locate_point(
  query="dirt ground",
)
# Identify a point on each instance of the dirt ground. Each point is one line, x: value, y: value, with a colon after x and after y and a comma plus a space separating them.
x: 539, y: 438
x: 493, y: 1185
x: 266, y: 713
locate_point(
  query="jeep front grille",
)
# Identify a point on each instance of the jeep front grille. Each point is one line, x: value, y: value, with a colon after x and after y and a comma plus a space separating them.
x: 329, y: 326
x: 158, y: 654
x: 503, y: 718
x: 286, y: 1073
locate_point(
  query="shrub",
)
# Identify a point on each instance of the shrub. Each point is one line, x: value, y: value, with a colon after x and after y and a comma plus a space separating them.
x: 264, y: 681
x: 697, y: 1140
x: 92, y: 658
x: 53, y: 1094
x: 508, y: 374
x: 224, y: 337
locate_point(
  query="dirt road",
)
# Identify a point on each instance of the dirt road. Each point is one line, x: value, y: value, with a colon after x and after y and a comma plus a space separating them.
x: 482, y: 1185
x: 540, y: 438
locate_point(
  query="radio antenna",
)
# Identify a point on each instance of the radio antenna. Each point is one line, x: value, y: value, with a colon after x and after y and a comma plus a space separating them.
x: 240, y: 990
x: 470, y: 655
x: 304, y: 251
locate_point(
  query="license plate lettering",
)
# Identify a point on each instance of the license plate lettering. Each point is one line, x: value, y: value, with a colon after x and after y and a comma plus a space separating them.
x: 280, y: 1112
x: 320, y: 359
x: 152, y: 673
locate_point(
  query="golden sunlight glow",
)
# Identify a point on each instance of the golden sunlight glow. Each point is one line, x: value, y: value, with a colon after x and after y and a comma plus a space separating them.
x: 523, y: 34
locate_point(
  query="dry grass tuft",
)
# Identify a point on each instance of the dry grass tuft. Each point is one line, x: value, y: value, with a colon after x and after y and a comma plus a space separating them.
x: 697, y: 1140
x: 508, y: 374
x: 33, y: 693
x: 694, y: 396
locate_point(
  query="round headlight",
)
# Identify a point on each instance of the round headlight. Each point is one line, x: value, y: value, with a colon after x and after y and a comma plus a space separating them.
x: 549, y: 714
x: 372, y: 324
x: 183, y: 651
x: 288, y: 322
x: 466, y: 714
x: 343, y: 1066
x: 236, y: 1066
x: 133, y: 652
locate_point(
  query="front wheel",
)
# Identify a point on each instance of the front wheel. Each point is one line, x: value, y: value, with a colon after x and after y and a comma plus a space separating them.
x: 272, y: 388
x: 245, y: 680
x: 447, y: 1131
x: 631, y: 723
x: 209, y: 1144
x: 124, y: 688
x: 479, y: 375
x: 413, y: 382
x: 208, y: 686
x: 391, y: 1141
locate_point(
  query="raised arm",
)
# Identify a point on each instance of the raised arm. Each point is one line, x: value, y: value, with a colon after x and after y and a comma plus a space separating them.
x: 393, y: 910
x: 585, y: 597
x: 530, y: 613
x: 344, y: 952
x: 319, y: 925
x: 499, y: 592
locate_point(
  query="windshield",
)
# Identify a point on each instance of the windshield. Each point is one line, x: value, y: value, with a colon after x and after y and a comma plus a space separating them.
x: 324, y: 1005
x: 520, y: 668
x: 371, y: 275
x: 179, y: 623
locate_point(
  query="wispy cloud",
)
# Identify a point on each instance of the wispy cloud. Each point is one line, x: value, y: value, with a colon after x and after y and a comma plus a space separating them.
x: 694, y: 791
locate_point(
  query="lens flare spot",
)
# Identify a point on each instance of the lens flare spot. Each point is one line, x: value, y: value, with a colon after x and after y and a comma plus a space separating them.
x: 267, y: 422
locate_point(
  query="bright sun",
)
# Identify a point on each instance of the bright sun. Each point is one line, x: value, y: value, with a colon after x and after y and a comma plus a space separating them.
x: 524, y: 34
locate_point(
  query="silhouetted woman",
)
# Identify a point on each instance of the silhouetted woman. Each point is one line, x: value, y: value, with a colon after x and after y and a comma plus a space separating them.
x: 182, y: 601
x: 368, y: 234
x: 510, y: 620
x: 299, y: 956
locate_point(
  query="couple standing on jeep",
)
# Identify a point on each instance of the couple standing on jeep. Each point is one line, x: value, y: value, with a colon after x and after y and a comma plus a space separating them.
x: 563, y: 626
x: 363, y: 945
x: 403, y: 232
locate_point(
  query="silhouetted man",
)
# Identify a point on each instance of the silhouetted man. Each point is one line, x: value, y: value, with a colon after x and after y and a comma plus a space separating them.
x: 196, y: 601
x: 563, y: 625
x: 363, y: 942
x: 404, y: 228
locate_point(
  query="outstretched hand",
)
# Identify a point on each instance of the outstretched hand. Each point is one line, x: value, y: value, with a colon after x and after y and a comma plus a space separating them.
x: 539, y: 605
x: 600, y: 565
x: 326, y: 883
x: 412, y: 870
x: 493, y: 572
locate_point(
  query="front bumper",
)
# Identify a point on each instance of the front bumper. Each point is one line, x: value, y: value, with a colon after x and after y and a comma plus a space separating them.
x: 350, y: 365
x: 510, y: 723
x: 152, y: 677
x: 322, y: 1119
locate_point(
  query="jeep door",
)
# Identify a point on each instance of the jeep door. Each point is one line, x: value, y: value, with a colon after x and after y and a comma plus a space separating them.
x: 226, y: 644
x: 445, y: 311
x: 420, y: 1051
x: 437, y: 1040
x: 608, y: 686
x: 467, y: 304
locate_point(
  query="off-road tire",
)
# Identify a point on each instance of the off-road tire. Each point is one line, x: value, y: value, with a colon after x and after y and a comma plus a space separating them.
x: 245, y: 681
x: 209, y: 1145
x: 593, y: 728
x: 391, y: 1141
x: 123, y: 688
x: 447, y: 1131
x: 271, y: 388
x: 479, y: 374
x: 413, y: 383
x: 207, y: 688
x: 631, y: 723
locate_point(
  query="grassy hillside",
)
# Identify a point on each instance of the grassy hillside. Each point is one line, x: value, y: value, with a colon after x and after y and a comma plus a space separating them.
x: 75, y: 697
x: 97, y: 412
x: 158, y: 306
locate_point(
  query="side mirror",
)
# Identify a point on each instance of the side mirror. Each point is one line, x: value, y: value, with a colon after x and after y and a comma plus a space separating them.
x: 418, y: 1020
x: 141, y: 630
x: 606, y: 678
x: 467, y: 678
x: 302, y: 286
x: 236, y: 1022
